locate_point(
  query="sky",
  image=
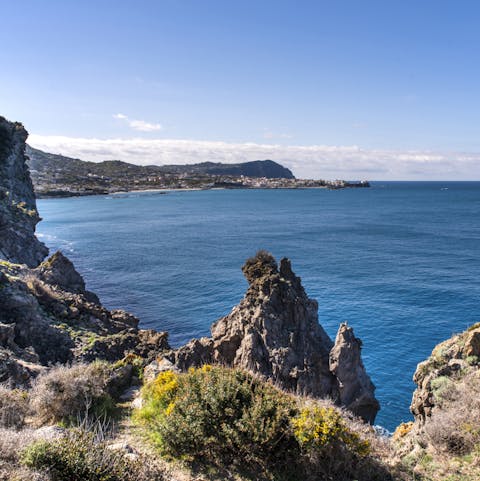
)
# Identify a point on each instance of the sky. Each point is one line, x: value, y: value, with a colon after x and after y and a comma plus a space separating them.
x: 378, y: 90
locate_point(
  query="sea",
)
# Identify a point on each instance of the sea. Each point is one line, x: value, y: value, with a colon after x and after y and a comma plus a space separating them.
x: 400, y: 262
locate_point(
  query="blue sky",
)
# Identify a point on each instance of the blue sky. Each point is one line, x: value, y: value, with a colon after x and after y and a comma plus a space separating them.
x: 356, y: 89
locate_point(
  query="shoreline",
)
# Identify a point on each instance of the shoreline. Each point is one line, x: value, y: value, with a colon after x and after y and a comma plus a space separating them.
x: 66, y: 195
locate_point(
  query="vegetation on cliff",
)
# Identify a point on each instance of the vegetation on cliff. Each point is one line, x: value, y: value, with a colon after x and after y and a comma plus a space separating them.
x: 444, y: 440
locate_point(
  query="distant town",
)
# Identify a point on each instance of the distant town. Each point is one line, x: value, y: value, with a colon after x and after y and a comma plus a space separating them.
x: 58, y: 176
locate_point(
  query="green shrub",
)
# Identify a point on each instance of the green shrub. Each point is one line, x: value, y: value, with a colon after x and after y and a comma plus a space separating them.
x: 80, y: 457
x: 441, y: 387
x: 329, y: 445
x: 319, y: 427
x: 472, y: 360
x: 224, y: 416
x: 137, y: 363
x: 219, y: 415
x: 455, y: 427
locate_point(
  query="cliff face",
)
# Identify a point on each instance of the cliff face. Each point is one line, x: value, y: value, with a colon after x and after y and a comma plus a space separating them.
x: 274, y: 332
x: 46, y: 314
x: 451, y: 362
x: 442, y: 443
x: 18, y: 211
x: 48, y: 317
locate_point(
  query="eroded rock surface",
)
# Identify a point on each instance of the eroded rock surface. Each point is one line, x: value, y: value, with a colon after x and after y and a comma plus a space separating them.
x: 450, y: 362
x: 44, y: 323
x: 274, y: 332
x: 18, y: 210
x: 355, y: 388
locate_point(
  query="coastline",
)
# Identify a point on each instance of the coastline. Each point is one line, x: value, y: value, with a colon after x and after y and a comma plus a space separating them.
x: 67, y: 194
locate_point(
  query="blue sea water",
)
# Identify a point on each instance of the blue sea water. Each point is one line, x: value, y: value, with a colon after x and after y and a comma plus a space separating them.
x: 399, y: 261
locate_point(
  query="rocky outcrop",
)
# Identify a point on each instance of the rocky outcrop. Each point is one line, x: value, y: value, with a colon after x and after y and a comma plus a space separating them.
x: 274, y: 332
x: 355, y: 389
x: 18, y: 211
x: 60, y: 272
x: 442, y: 442
x: 48, y: 317
x: 450, y: 362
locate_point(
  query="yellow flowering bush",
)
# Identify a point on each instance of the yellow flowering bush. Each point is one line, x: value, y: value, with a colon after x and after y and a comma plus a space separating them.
x: 402, y: 430
x: 317, y: 427
x: 219, y: 415
x: 158, y: 397
x: 163, y: 387
x: 222, y: 416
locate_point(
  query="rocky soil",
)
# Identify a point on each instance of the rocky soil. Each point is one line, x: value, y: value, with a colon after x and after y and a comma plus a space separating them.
x: 48, y: 317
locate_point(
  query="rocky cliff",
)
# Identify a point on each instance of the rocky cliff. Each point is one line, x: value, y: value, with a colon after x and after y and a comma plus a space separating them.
x: 18, y: 211
x: 442, y: 443
x: 46, y: 314
x: 274, y: 332
x: 451, y: 362
x: 47, y: 317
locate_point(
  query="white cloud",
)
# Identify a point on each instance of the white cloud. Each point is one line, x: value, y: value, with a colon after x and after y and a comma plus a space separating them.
x: 140, y: 125
x: 143, y: 126
x: 308, y: 161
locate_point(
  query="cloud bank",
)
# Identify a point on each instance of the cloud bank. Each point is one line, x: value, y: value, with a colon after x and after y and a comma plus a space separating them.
x: 306, y: 161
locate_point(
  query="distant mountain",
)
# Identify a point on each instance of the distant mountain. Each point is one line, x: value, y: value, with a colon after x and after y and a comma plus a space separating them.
x: 45, y: 164
x: 256, y: 168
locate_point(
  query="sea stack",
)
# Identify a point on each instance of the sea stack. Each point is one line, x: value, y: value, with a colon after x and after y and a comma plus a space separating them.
x: 274, y: 332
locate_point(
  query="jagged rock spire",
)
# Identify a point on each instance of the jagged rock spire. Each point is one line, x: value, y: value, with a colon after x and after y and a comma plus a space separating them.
x: 355, y: 389
x: 274, y: 332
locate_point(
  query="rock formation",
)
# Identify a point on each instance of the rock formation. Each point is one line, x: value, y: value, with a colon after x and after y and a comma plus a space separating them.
x: 47, y: 317
x: 46, y: 314
x: 274, y: 332
x: 355, y: 389
x: 450, y: 362
x: 18, y: 211
x: 442, y: 442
